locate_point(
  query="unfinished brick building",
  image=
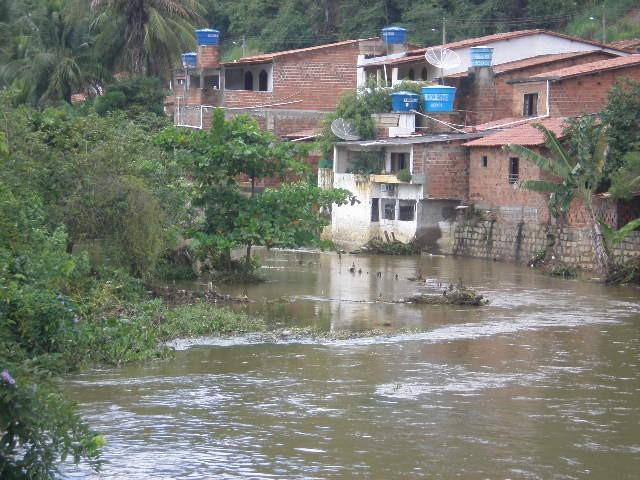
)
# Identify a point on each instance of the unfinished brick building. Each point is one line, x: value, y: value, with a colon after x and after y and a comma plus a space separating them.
x: 288, y: 92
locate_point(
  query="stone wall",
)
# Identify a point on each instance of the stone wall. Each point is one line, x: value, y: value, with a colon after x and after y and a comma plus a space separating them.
x: 520, y: 242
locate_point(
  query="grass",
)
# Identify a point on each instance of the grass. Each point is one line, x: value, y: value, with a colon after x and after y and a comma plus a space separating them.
x: 138, y: 332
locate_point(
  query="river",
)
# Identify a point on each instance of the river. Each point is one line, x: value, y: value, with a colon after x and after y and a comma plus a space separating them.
x: 543, y: 383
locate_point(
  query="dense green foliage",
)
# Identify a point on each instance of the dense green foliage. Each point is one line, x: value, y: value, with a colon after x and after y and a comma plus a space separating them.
x: 579, y: 167
x: 622, y: 115
x: 98, y: 176
x: 284, y: 217
x: 357, y: 107
x: 50, y: 49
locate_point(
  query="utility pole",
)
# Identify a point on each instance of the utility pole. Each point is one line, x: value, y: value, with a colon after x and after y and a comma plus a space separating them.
x: 444, y: 31
x: 243, y: 45
x: 604, y: 24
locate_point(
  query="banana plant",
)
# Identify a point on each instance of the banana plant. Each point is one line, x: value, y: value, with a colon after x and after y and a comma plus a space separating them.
x: 578, y: 176
x: 614, y: 237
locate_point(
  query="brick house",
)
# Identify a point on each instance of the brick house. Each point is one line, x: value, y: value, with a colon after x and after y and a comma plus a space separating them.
x: 507, y: 47
x: 494, y: 173
x: 574, y: 90
x: 390, y: 207
x: 287, y: 92
x: 486, y: 93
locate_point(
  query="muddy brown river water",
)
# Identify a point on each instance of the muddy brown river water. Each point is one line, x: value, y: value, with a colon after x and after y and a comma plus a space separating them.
x: 543, y: 383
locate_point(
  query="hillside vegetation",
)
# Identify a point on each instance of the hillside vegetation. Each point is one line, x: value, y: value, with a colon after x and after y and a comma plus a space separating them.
x: 50, y: 49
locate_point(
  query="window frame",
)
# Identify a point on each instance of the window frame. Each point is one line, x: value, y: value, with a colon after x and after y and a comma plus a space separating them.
x: 530, y: 104
x: 514, y: 173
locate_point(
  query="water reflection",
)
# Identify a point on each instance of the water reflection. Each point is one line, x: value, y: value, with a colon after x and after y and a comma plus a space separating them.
x: 542, y: 383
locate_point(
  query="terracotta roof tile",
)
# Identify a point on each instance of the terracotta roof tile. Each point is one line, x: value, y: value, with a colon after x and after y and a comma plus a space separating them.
x: 589, y: 68
x: 631, y: 44
x: 533, y: 62
x: 526, y: 134
x: 414, y: 55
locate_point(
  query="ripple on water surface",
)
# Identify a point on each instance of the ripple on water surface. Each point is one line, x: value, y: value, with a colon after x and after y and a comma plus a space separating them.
x: 542, y: 383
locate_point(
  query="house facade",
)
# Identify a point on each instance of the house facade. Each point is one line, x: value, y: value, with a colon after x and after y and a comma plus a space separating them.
x: 288, y: 92
x: 406, y: 188
x: 574, y: 90
x: 507, y: 47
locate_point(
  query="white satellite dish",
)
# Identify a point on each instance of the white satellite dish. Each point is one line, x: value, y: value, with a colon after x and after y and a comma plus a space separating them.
x: 345, y: 130
x: 442, y: 58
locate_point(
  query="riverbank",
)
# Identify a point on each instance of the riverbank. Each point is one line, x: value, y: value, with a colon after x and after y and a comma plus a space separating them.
x: 140, y: 331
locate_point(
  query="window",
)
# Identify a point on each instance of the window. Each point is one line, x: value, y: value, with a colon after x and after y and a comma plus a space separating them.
x: 181, y: 81
x: 212, y: 81
x: 399, y: 161
x: 530, y: 108
x: 424, y: 73
x: 514, y: 170
x: 248, y: 81
x: 485, y: 161
x: 411, y: 75
x: 194, y: 81
x: 389, y: 210
x: 407, y: 210
x: 263, y: 81
x: 375, y: 209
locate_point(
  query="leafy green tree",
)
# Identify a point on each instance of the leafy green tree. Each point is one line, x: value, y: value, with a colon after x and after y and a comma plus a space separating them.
x: 232, y: 218
x: 626, y: 181
x: 102, y: 178
x: 38, y: 427
x: 579, y: 170
x: 137, y: 95
x: 622, y: 117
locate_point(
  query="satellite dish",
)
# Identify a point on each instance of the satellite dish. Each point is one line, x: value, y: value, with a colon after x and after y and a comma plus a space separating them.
x: 442, y: 57
x: 345, y: 130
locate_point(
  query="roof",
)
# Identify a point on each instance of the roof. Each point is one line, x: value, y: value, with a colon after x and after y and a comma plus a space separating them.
x: 589, y: 68
x: 526, y: 134
x: 445, y: 137
x: 267, y: 57
x: 516, y: 65
x: 631, y: 44
x: 414, y: 55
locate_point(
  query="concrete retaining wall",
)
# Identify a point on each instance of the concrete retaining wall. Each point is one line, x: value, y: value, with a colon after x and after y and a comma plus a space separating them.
x: 520, y: 242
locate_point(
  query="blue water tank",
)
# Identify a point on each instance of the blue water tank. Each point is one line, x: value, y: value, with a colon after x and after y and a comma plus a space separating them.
x: 481, y: 56
x: 208, y: 36
x: 404, y: 101
x: 438, y: 98
x: 394, y: 35
x: 189, y: 59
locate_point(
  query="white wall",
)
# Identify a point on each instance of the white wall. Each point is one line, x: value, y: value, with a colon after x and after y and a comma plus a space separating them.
x: 505, y: 51
x: 351, y: 225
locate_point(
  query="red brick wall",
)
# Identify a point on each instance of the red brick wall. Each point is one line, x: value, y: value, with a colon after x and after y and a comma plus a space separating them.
x: 446, y: 168
x: 208, y: 56
x: 518, y: 92
x: 490, y: 185
x: 493, y: 98
x: 313, y: 79
x: 588, y: 93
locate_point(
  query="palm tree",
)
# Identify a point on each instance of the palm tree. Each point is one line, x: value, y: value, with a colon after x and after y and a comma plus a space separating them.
x: 46, y: 56
x: 579, y: 173
x: 145, y: 37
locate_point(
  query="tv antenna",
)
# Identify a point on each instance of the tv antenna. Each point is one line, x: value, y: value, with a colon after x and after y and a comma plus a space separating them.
x: 344, y: 129
x: 442, y: 58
